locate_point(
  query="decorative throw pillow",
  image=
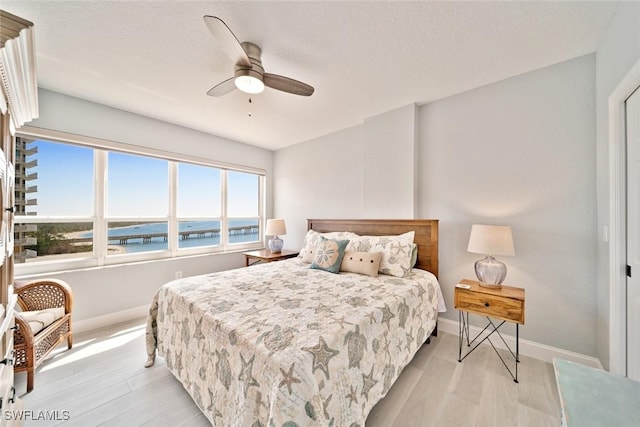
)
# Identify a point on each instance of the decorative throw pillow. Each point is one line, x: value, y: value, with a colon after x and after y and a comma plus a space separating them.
x: 366, y: 263
x: 312, y: 239
x: 396, y: 251
x: 329, y: 254
x: 308, y: 253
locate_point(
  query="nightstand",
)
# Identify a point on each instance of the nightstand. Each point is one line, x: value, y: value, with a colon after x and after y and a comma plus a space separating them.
x: 265, y: 255
x: 498, y: 305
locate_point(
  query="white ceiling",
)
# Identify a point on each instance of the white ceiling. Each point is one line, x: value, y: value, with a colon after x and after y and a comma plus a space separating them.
x: 158, y: 59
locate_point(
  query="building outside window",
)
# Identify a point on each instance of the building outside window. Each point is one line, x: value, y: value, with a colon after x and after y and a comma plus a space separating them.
x: 25, y: 200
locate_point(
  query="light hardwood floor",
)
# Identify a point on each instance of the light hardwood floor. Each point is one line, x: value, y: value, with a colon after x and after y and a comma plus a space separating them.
x: 102, y: 382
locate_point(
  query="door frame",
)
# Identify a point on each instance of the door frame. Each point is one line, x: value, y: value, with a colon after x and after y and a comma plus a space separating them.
x: 617, y: 221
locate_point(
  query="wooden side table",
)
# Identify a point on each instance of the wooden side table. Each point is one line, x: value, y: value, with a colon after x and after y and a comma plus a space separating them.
x: 265, y: 255
x: 505, y: 304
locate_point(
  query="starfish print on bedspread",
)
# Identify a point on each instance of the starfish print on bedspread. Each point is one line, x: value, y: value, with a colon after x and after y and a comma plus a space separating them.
x: 325, y: 405
x: 246, y: 375
x: 367, y: 383
x: 385, y: 347
x: 387, y: 315
x: 352, y: 395
x: 322, y: 354
x: 197, y: 334
x: 288, y: 378
x: 372, y: 317
x: 410, y: 339
x: 420, y: 290
x: 169, y: 310
x: 342, y: 321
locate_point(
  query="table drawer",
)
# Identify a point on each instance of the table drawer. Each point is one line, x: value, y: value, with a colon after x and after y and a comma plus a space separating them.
x: 490, y: 305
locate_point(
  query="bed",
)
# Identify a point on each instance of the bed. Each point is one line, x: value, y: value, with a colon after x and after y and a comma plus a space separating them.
x: 282, y: 344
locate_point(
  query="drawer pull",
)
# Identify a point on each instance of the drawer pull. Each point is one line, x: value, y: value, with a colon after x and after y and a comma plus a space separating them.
x: 7, y: 361
x: 486, y: 304
x: 12, y: 399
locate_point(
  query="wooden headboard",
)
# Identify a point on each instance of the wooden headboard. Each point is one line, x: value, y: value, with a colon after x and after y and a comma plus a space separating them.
x: 426, y: 234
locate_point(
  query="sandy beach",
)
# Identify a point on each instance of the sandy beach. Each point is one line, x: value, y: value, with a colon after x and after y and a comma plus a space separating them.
x: 112, y: 249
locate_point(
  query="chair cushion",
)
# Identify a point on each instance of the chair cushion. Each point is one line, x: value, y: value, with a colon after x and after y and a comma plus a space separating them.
x: 40, y: 319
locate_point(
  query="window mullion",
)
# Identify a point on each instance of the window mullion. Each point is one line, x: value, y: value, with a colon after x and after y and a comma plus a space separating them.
x: 100, y: 200
x: 262, y: 208
x: 224, y: 220
x: 173, y: 201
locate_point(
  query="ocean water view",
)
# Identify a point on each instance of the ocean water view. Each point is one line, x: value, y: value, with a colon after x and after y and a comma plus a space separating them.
x: 138, y: 187
x: 145, y: 237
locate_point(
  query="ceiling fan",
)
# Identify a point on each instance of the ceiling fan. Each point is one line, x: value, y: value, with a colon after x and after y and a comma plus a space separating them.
x: 249, y: 75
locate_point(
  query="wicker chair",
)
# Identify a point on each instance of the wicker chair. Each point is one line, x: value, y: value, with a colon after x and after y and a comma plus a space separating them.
x: 30, y: 350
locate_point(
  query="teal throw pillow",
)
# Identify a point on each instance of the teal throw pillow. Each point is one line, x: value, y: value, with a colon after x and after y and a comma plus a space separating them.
x: 329, y: 254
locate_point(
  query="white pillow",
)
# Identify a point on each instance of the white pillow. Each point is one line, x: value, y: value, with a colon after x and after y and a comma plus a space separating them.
x: 396, y: 251
x: 313, y: 239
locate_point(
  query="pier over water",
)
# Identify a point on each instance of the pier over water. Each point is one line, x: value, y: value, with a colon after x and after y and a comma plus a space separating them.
x: 182, y: 235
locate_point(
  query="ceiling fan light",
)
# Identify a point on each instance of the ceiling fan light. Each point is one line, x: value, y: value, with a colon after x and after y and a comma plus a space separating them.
x: 249, y: 84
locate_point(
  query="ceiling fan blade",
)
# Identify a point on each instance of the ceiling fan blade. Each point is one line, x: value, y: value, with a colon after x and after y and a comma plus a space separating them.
x: 287, y: 84
x: 230, y: 43
x: 223, y: 88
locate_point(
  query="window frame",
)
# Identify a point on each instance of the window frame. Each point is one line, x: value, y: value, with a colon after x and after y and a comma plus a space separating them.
x: 100, y: 220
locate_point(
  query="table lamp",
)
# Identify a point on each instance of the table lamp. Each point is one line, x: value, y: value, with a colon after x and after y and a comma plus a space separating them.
x: 491, y: 240
x: 275, y: 227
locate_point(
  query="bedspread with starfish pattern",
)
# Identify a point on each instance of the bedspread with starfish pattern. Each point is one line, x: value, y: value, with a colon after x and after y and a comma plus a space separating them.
x: 280, y: 344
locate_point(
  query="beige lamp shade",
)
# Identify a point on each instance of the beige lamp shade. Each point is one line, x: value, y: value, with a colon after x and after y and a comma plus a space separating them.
x: 276, y: 227
x: 491, y: 240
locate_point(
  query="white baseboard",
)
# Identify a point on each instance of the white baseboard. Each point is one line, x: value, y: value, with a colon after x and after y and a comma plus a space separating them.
x: 533, y: 349
x: 110, y: 319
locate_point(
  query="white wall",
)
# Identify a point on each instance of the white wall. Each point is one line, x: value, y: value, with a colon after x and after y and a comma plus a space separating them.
x: 521, y: 152
x: 322, y: 178
x: 618, y: 50
x: 73, y: 115
x: 102, y: 291
x: 390, y: 192
x: 351, y: 173
x: 518, y: 152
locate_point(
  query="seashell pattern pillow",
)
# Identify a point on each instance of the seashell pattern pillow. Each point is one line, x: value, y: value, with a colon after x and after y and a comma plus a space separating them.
x: 329, y: 254
x: 396, y: 251
x: 312, y: 239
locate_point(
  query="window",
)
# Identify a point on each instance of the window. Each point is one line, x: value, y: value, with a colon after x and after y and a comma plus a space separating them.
x: 53, y: 201
x: 199, y: 207
x: 79, y: 206
x: 137, y: 204
x: 243, y: 206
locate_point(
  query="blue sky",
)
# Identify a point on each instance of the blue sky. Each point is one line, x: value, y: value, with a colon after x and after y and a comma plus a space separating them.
x: 137, y: 186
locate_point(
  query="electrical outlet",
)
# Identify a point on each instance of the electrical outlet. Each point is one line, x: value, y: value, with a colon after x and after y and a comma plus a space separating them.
x: 178, y: 274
